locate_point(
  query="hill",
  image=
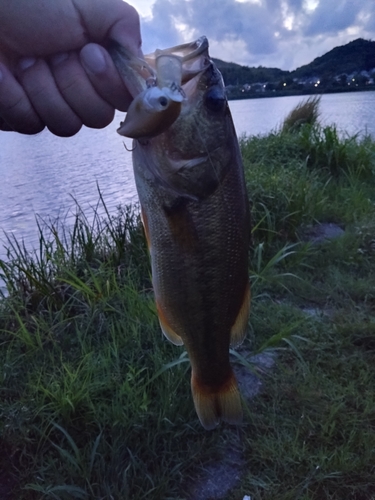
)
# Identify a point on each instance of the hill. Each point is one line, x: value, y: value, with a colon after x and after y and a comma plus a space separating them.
x: 327, y: 73
x: 354, y: 57
x: 235, y: 74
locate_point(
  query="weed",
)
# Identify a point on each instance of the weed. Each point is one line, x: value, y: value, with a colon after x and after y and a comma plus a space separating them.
x: 305, y: 112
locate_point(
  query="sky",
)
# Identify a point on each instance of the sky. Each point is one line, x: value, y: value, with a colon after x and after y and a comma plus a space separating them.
x: 283, y: 34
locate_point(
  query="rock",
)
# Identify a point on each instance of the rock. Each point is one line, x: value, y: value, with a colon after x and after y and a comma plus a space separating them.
x: 321, y: 232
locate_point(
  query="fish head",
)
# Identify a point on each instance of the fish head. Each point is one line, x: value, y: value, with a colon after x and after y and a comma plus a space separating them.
x: 205, y: 116
x: 182, y: 80
x: 191, y: 156
x: 189, y: 148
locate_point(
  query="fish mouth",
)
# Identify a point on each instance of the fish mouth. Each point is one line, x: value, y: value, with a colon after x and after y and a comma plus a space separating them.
x: 190, y: 55
x: 141, y: 73
x: 186, y: 50
x: 171, y: 79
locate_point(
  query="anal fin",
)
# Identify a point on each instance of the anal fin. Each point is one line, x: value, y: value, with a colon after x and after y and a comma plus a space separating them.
x: 238, y: 330
x: 217, y: 403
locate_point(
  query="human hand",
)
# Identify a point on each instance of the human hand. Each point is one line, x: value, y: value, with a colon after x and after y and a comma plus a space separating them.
x: 54, y: 69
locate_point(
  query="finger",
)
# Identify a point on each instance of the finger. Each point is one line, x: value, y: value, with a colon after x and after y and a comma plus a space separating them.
x: 37, y: 80
x: 16, y: 110
x: 126, y: 29
x: 104, y: 76
x: 120, y: 22
x: 4, y: 127
x: 78, y: 92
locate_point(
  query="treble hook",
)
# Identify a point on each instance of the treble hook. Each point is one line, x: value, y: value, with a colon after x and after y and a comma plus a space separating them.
x: 129, y: 150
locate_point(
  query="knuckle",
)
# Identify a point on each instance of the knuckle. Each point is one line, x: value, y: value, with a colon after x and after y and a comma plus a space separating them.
x: 11, y: 104
x: 134, y: 23
x: 133, y: 15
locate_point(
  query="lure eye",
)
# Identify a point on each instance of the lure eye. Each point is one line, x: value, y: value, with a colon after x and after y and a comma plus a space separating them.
x: 163, y: 101
x: 215, y: 99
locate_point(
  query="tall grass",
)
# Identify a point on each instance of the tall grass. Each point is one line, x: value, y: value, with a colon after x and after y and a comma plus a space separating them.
x: 306, y: 112
x: 82, y: 413
x: 304, y: 174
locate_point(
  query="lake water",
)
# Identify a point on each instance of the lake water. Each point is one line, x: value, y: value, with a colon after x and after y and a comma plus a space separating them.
x: 41, y: 174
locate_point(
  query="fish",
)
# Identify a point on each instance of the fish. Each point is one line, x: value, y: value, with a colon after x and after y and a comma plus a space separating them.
x: 195, y: 212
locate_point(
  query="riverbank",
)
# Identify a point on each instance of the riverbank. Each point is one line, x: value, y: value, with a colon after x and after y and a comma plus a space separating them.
x: 240, y: 95
x: 95, y: 403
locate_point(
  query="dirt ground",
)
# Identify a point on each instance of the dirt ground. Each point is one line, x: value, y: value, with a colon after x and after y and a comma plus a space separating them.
x: 217, y: 478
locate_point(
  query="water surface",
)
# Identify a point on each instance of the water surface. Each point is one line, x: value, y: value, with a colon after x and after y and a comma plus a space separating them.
x: 40, y: 174
x: 353, y: 113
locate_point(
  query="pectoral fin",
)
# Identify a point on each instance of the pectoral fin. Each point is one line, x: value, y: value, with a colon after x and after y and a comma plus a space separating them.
x: 238, y: 330
x: 167, y: 330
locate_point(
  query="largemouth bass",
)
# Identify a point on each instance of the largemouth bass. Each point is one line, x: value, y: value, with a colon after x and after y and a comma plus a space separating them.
x: 195, y: 212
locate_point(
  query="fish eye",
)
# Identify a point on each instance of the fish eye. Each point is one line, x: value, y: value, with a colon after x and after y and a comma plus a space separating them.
x: 215, y: 99
x: 163, y: 101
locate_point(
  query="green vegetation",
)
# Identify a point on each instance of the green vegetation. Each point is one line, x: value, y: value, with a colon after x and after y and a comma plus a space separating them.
x: 95, y: 404
x: 306, y: 112
x: 353, y: 57
x: 235, y: 74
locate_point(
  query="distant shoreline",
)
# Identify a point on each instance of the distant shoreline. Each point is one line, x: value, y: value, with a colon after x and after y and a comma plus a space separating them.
x: 286, y: 93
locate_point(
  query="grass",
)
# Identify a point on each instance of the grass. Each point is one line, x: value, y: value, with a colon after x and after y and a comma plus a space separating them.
x: 305, y: 112
x: 95, y: 404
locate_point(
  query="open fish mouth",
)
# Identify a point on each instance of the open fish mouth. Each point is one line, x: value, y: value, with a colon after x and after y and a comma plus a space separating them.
x: 190, y: 55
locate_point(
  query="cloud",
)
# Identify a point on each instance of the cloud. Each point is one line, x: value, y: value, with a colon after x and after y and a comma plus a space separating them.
x: 160, y: 30
x: 280, y: 33
x: 368, y: 18
x: 332, y: 17
x: 254, y: 23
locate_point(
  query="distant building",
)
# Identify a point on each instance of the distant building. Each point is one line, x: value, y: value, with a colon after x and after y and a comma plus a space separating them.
x: 312, y: 80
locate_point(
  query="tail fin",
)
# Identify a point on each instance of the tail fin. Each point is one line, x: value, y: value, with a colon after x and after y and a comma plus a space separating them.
x: 218, y: 403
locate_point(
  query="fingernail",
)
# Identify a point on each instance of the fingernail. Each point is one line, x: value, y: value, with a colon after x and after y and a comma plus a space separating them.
x: 93, y: 59
x: 59, y: 58
x: 26, y: 62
